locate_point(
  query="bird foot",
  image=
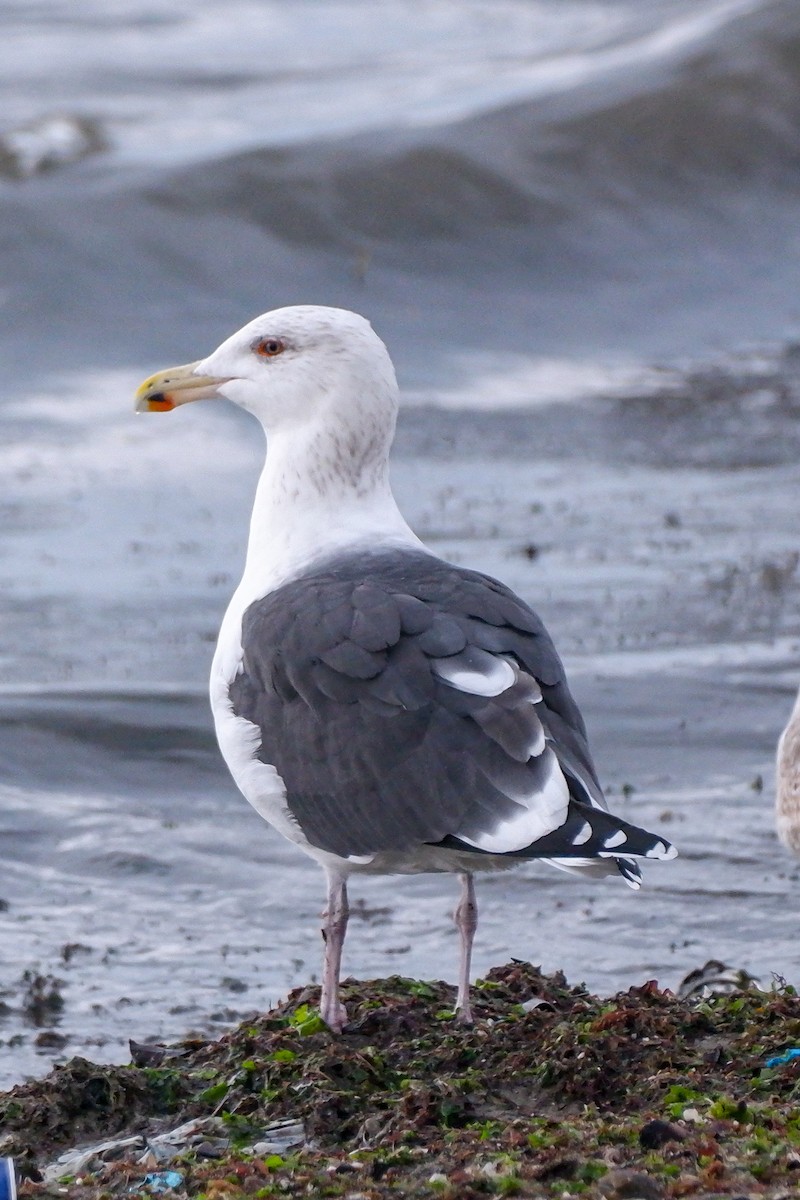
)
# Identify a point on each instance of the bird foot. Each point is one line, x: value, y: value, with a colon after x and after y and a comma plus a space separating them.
x: 334, y: 1015
x: 464, y: 1015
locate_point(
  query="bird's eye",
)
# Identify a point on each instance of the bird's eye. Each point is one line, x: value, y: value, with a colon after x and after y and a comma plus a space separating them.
x: 269, y: 347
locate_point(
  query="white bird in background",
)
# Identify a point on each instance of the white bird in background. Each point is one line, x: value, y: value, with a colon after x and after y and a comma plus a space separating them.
x: 386, y: 711
x: 787, y: 799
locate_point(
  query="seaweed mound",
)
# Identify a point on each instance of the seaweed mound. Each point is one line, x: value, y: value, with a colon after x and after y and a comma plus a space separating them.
x: 552, y: 1092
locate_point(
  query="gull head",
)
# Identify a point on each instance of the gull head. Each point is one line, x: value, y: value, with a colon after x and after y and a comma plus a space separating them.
x: 290, y: 367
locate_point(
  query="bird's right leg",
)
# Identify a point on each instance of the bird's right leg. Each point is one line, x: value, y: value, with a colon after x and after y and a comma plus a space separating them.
x: 466, y: 919
x: 332, y: 1011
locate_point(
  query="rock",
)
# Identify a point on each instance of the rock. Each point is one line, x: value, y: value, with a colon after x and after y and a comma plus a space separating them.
x: 657, y: 1133
x: 212, y: 1149
x: 50, y: 1039
x: 624, y: 1184
x: 145, y: 1055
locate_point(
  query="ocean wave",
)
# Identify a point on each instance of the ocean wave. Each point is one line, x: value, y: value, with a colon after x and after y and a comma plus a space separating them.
x: 649, y: 209
x: 728, y: 112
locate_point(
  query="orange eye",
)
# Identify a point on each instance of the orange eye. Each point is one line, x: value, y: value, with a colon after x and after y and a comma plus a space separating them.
x: 269, y: 347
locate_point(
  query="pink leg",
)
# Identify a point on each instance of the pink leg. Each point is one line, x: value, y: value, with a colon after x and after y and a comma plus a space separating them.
x: 332, y: 1011
x: 466, y: 919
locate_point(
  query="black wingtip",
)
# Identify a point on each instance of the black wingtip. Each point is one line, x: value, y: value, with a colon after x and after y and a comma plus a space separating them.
x: 630, y: 872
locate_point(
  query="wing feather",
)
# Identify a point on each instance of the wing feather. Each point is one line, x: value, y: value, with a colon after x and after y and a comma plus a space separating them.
x: 407, y: 701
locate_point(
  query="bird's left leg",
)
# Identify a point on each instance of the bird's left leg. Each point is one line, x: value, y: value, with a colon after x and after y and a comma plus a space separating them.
x: 332, y: 1011
x: 466, y: 919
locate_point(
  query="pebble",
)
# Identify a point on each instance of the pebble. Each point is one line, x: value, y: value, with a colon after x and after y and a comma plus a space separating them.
x: 657, y: 1133
x: 212, y: 1149
x: 624, y: 1184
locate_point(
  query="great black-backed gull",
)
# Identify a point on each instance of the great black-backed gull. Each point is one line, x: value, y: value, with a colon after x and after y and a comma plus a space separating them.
x: 386, y: 711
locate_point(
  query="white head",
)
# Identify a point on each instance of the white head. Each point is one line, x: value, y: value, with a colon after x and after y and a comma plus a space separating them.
x: 291, y: 364
x: 304, y: 371
x: 322, y: 384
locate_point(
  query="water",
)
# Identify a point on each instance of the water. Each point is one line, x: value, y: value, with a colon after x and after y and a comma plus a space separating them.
x: 575, y: 226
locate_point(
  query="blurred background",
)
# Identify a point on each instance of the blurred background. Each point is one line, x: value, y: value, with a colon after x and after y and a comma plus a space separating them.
x: 576, y: 224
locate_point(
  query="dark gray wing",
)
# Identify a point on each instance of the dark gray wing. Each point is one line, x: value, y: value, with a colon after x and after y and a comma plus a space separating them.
x: 406, y: 701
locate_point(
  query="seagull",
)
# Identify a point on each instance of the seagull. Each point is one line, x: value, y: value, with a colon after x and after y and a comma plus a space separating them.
x: 383, y: 709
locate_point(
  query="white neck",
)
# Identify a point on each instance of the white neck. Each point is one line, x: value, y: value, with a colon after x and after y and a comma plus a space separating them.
x: 307, y: 505
x: 324, y: 490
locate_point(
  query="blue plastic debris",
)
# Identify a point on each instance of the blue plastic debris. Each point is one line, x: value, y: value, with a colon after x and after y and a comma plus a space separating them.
x: 780, y: 1059
x: 8, y: 1180
x: 162, y: 1181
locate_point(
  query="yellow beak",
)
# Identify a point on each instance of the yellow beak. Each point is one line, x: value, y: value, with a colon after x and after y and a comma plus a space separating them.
x: 177, y: 385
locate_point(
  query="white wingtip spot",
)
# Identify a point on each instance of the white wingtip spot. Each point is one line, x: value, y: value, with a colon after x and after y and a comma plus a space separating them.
x: 662, y: 851
x: 583, y: 834
x: 615, y: 839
